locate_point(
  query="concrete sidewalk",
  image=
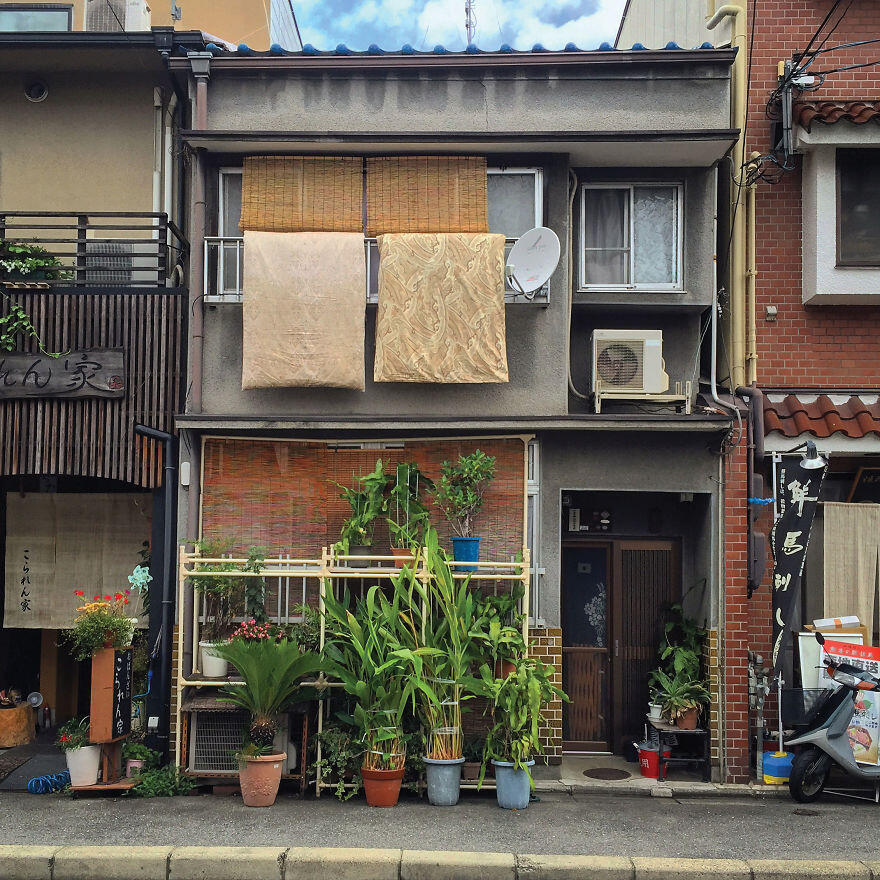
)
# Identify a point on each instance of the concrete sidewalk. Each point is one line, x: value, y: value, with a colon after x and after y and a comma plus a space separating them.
x: 303, y: 863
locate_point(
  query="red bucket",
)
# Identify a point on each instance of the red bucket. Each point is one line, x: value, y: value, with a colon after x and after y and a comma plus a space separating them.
x: 649, y: 762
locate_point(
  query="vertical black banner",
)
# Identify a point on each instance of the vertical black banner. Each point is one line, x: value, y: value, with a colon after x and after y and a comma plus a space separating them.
x: 797, y: 493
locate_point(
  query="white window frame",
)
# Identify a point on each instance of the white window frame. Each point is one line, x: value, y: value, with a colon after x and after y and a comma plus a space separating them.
x: 679, y: 243
x: 539, y: 185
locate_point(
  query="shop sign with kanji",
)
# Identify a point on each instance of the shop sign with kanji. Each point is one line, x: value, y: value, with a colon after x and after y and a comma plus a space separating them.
x: 95, y: 372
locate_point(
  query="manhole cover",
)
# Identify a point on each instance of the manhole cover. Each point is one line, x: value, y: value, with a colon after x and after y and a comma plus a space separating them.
x: 612, y: 774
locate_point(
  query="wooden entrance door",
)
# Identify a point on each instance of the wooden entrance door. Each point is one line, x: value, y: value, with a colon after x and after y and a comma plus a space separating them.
x: 613, y: 597
x: 585, y: 653
x: 646, y: 580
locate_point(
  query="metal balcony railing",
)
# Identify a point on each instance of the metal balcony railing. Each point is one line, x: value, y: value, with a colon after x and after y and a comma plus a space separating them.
x: 99, y: 249
x: 224, y: 275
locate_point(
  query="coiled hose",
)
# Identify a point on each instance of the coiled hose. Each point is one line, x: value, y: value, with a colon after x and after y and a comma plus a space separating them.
x: 49, y: 783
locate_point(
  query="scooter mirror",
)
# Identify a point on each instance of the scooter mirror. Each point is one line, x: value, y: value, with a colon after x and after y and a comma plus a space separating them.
x: 820, y: 638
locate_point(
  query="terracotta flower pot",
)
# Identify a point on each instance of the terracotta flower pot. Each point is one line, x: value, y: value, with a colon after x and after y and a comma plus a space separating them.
x: 382, y: 787
x: 402, y: 556
x: 259, y: 779
x: 688, y: 721
x: 504, y: 668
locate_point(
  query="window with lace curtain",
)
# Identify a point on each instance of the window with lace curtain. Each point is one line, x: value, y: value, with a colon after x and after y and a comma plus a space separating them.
x: 631, y: 236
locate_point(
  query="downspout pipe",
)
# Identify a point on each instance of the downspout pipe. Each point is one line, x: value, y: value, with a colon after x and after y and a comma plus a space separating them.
x: 751, y: 280
x: 738, y: 232
x: 200, y: 63
x: 169, y: 559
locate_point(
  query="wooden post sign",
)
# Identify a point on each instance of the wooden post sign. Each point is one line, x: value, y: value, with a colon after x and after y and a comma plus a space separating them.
x: 110, y: 717
x: 94, y: 372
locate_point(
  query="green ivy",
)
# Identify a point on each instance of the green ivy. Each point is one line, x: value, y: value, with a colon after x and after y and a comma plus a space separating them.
x: 165, y: 782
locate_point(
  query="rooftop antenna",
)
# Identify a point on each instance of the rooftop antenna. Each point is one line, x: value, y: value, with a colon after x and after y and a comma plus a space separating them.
x: 470, y: 20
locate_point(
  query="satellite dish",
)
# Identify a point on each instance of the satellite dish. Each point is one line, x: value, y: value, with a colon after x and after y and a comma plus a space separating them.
x: 532, y: 259
x: 35, y: 698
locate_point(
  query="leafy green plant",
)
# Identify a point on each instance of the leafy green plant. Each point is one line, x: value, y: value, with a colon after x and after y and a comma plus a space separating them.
x: 516, y: 703
x: 73, y: 734
x: 307, y: 631
x: 219, y: 592
x: 680, y: 654
x: 272, y: 672
x: 679, y: 694
x: 255, y: 587
x: 497, y: 628
x: 166, y: 781
x: 135, y: 751
x: 341, y: 759
x: 19, y: 260
x: 408, y: 517
x: 367, y: 503
x: 372, y: 649
x: 460, y: 489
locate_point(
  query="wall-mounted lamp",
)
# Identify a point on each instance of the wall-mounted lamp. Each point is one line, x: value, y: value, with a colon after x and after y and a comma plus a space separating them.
x: 811, y: 460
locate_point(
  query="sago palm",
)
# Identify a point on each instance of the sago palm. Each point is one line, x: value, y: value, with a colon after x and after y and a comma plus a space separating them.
x: 272, y: 672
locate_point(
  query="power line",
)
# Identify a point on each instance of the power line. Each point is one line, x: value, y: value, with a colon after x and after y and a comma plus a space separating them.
x: 847, y: 67
x: 295, y: 24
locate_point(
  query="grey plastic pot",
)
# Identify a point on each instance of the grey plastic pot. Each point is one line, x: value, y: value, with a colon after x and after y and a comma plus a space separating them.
x: 512, y: 787
x: 444, y: 781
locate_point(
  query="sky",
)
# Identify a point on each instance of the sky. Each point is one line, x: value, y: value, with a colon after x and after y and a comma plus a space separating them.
x: 425, y: 23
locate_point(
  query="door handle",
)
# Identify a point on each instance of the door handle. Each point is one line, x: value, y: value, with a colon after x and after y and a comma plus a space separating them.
x: 616, y: 648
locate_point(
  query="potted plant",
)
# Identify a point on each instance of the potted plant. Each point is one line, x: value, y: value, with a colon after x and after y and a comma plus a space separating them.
x: 682, y: 699
x: 219, y: 600
x: 447, y: 633
x: 408, y: 517
x: 28, y: 262
x: 138, y: 758
x: 341, y: 759
x: 100, y: 623
x: 82, y: 757
x: 473, y: 757
x: 459, y: 492
x: 516, y: 704
x: 367, y: 504
x: 272, y: 671
x: 382, y: 673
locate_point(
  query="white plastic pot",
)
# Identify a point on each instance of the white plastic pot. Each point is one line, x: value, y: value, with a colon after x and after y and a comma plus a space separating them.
x: 212, y: 666
x: 654, y: 710
x: 82, y: 765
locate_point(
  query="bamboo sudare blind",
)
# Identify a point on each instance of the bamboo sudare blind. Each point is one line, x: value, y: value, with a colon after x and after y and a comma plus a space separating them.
x: 426, y: 194
x: 302, y: 194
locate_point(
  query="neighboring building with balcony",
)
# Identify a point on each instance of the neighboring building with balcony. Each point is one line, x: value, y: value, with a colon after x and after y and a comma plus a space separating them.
x: 91, y: 249
x: 291, y: 385
x: 255, y: 22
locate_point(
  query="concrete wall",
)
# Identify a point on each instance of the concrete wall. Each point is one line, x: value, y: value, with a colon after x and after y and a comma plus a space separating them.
x: 535, y: 334
x: 89, y: 146
x: 621, y: 97
x: 621, y: 462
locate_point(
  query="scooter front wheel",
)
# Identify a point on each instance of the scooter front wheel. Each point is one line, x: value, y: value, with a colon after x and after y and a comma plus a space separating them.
x: 809, y: 773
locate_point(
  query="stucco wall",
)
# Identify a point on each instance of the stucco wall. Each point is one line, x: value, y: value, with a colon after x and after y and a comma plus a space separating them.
x: 629, y: 462
x: 88, y: 146
x: 624, y: 97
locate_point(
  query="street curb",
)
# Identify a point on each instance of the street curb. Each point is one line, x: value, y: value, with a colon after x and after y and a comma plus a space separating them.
x: 664, y: 789
x: 308, y: 863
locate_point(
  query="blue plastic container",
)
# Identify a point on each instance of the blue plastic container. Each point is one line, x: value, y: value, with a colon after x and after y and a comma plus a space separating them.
x: 465, y: 550
x: 512, y: 787
x: 777, y: 767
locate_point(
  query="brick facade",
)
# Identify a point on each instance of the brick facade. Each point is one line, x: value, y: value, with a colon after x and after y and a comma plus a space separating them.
x: 546, y: 645
x: 807, y: 346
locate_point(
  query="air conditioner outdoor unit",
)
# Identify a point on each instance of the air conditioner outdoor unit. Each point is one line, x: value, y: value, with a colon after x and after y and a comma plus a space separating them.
x: 121, y: 262
x: 628, y: 365
x: 215, y: 737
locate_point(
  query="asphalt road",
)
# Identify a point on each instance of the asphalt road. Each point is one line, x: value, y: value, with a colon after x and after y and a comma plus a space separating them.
x: 560, y: 823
